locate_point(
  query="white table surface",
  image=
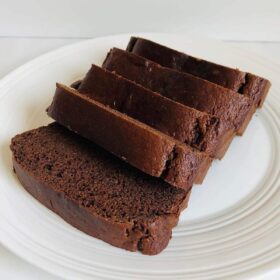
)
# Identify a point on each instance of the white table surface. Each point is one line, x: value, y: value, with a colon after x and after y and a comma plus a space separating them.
x: 32, y: 27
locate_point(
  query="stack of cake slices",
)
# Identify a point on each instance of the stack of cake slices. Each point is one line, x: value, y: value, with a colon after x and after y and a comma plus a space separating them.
x: 131, y: 139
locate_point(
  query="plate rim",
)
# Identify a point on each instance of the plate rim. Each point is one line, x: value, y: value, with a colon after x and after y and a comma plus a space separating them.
x: 6, y: 79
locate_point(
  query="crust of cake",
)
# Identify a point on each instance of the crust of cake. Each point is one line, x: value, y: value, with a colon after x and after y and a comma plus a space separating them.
x: 256, y: 88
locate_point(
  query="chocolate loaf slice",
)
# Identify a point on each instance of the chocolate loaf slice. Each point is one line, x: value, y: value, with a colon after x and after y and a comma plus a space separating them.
x: 184, y: 88
x: 140, y: 145
x: 199, y: 130
x: 96, y: 192
x: 247, y: 84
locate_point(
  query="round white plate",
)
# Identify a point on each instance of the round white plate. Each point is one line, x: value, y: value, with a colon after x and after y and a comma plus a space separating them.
x: 231, y: 227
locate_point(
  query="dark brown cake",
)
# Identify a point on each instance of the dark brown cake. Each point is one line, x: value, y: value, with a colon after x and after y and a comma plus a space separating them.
x: 96, y: 192
x: 199, y: 130
x: 247, y: 84
x: 140, y: 145
x: 76, y: 84
x: 184, y: 88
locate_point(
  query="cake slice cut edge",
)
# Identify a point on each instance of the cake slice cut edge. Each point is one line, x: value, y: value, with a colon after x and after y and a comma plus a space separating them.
x: 192, y: 91
x: 244, y: 83
x: 94, y: 191
x: 200, y: 130
x: 136, y: 143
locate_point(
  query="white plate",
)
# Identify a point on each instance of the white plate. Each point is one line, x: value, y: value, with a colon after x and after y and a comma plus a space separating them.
x: 231, y: 227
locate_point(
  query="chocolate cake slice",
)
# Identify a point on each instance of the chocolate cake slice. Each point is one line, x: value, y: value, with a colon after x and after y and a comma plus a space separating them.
x: 94, y: 191
x: 184, y: 88
x: 247, y: 84
x: 199, y: 130
x: 137, y: 143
